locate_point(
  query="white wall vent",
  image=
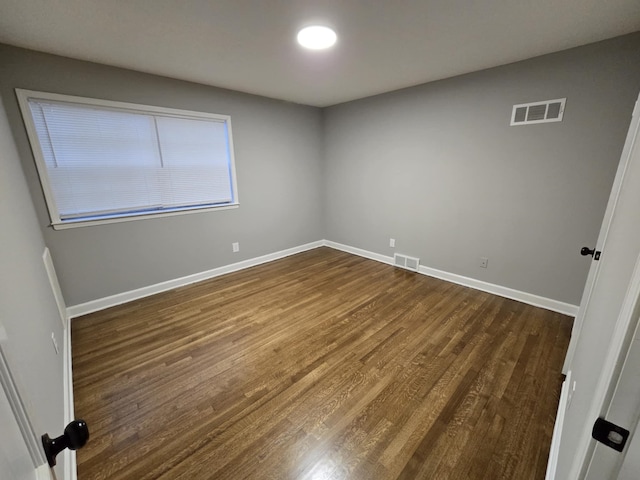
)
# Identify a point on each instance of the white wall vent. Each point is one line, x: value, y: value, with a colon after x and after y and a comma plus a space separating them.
x: 538, y: 112
x: 406, y: 262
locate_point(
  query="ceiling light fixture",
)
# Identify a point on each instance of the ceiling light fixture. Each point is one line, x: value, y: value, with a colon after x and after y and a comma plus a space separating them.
x: 317, y: 37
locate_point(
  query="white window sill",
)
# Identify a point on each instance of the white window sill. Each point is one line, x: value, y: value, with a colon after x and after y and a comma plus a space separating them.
x: 137, y: 216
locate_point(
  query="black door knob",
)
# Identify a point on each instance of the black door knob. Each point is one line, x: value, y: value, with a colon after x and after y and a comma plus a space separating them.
x: 584, y: 251
x: 75, y: 436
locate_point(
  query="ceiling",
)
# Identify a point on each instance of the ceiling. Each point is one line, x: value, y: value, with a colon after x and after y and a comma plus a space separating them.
x: 249, y: 45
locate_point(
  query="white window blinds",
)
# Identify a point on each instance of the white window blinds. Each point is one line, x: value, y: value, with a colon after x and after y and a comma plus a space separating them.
x: 105, y: 161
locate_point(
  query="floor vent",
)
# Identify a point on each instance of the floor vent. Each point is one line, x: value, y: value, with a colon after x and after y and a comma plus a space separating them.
x: 538, y: 112
x: 406, y: 262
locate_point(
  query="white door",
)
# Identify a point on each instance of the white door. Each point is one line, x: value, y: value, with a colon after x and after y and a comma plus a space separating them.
x: 623, y: 407
x: 15, y: 460
x: 601, y: 329
x: 585, y: 303
x: 31, y: 367
x: 631, y: 466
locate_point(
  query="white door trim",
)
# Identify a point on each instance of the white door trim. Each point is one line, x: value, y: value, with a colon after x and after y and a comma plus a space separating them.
x: 55, y: 286
x: 554, y: 451
x: 43, y: 472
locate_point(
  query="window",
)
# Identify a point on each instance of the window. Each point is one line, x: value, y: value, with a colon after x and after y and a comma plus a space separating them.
x: 101, y: 161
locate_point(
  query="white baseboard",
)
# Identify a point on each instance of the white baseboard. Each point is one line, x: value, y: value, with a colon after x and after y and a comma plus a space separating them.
x: 124, y: 297
x: 360, y: 252
x: 524, y: 297
x: 520, y: 296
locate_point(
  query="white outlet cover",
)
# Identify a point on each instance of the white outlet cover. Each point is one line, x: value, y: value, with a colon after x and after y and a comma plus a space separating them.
x: 392, y: 242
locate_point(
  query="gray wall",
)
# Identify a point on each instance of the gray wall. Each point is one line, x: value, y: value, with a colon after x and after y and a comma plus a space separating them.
x: 277, y: 149
x: 438, y: 168
x: 27, y: 307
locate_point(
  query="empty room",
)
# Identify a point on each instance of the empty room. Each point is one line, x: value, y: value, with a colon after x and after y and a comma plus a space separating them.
x: 328, y: 240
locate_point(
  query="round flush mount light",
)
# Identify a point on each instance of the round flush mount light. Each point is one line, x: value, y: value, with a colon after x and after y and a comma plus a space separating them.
x: 317, y: 37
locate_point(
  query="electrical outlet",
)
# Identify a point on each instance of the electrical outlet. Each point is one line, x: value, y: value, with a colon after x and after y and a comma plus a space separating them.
x: 483, y: 262
x: 392, y: 242
x: 55, y: 343
x: 235, y: 246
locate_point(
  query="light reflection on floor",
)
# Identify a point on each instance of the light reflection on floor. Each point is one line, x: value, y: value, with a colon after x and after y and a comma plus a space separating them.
x: 327, y: 469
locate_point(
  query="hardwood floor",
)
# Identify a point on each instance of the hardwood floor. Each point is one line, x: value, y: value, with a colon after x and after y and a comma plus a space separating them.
x: 321, y: 366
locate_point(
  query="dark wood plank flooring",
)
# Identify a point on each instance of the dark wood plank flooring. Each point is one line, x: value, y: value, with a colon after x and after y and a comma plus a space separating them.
x: 321, y: 366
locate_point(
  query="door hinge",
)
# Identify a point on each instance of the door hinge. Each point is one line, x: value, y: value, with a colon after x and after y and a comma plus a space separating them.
x: 610, y: 434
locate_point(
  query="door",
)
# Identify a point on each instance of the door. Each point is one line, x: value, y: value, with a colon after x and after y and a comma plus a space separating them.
x: 623, y: 408
x: 631, y: 466
x: 21, y: 454
x: 15, y: 460
x: 601, y: 329
x: 602, y: 237
x: 31, y: 332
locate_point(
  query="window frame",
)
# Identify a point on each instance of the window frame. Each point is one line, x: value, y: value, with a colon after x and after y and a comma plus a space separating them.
x: 57, y: 223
